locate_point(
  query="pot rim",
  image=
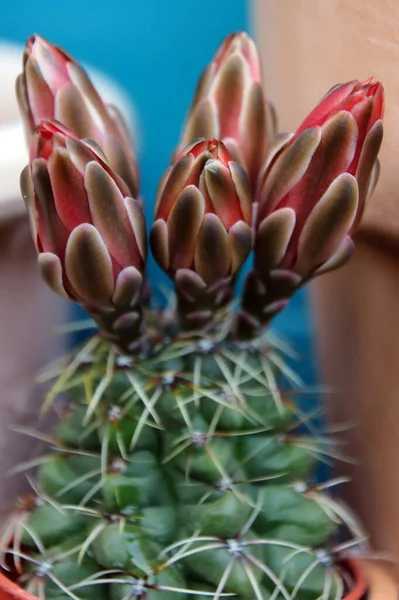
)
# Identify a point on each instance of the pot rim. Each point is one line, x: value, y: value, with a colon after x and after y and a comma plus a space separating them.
x: 12, y: 591
x: 358, y: 569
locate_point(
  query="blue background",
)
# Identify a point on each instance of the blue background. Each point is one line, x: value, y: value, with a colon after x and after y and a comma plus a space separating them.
x: 155, y: 49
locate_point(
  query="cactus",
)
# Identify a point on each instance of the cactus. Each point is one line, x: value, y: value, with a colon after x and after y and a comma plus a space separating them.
x: 182, y: 465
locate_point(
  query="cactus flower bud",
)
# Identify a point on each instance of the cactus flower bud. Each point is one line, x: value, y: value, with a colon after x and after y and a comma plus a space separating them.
x: 202, y: 229
x: 230, y: 105
x: 312, y: 194
x: 203, y: 214
x: 53, y: 86
x: 90, y: 235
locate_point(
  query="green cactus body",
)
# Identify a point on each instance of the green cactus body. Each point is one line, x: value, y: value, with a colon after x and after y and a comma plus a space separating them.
x: 194, y: 480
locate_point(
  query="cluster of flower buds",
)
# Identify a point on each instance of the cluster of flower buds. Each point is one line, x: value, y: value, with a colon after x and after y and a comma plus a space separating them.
x: 230, y: 105
x: 202, y: 230
x: 312, y: 194
x: 308, y: 192
x: 53, y: 86
x: 79, y: 188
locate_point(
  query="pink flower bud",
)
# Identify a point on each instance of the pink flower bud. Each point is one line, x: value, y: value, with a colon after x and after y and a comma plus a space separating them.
x: 230, y: 105
x: 203, y: 214
x: 89, y: 232
x: 313, y: 191
x: 53, y: 86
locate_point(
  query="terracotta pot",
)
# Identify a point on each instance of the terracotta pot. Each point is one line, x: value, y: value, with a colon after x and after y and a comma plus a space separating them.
x: 372, y: 583
x: 307, y: 46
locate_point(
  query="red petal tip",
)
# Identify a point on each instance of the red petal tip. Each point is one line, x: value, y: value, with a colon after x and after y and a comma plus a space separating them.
x: 30, y: 42
x: 49, y: 127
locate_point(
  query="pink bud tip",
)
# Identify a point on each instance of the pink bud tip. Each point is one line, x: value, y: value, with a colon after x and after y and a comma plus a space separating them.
x: 346, y: 97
